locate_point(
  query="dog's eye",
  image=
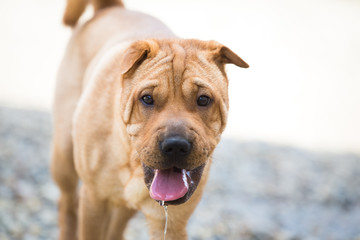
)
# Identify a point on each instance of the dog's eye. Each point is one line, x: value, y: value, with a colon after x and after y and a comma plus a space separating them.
x: 203, y: 101
x: 147, y: 100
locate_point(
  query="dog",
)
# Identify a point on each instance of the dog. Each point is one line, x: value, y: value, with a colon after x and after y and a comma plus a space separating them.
x: 137, y: 114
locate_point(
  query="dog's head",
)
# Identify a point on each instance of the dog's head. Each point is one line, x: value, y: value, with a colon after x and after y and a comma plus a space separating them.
x: 175, y: 104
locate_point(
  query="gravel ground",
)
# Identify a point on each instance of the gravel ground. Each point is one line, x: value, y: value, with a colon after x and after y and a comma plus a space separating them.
x: 256, y: 191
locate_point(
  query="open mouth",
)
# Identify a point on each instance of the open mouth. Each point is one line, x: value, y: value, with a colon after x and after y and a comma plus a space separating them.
x: 173, y: 185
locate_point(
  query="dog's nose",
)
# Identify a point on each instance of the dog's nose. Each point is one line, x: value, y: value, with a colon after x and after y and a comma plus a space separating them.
x: 176, y: 147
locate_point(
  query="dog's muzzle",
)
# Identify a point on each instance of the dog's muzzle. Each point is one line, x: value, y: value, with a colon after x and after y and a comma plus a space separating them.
x: 173, y: 183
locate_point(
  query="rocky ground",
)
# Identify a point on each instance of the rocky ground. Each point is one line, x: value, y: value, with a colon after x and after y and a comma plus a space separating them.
x: 256, y: 190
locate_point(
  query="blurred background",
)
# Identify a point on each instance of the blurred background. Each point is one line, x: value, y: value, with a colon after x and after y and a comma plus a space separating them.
x: 293, y: 137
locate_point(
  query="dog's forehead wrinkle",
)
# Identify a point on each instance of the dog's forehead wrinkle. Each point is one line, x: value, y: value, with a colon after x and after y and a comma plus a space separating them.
x: 201, y: 67
x: 179, y: 54
x: 148, y: 84
x: 161, y: 62
x: 200, y: 82
x: 214, y: 82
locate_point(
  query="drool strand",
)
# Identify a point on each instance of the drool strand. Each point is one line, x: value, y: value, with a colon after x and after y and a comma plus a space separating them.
x: 162, y: 203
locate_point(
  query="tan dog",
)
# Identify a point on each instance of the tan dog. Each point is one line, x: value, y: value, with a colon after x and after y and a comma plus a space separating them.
x: 137, y: 115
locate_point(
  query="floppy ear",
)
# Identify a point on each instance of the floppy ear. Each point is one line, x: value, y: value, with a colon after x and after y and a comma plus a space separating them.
x: 136, y: 54
x: 228, y: 56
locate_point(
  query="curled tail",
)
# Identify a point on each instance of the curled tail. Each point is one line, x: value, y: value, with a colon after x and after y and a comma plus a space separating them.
x: 75, y: 8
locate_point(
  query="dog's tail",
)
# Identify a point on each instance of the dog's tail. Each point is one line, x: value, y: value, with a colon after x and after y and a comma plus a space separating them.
x: 75, y: 8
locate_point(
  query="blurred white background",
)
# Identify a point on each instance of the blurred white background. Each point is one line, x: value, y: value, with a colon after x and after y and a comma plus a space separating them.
x: 302, y: 87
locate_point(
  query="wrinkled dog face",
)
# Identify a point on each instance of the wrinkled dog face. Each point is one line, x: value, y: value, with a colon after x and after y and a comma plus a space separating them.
x: 175, y: 106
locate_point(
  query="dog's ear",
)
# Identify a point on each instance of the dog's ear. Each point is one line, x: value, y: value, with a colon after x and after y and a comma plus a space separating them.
x: 228, y: 56
x: 136, y: 54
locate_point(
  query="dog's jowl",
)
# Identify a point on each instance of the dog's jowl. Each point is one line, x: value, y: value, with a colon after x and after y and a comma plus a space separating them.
x: 138, y: 112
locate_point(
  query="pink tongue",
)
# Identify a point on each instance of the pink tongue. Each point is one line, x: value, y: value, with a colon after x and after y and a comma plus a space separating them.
x: 169, y: 185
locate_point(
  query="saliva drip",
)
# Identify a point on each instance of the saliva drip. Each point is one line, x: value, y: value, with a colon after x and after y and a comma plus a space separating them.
x: 162, y: 203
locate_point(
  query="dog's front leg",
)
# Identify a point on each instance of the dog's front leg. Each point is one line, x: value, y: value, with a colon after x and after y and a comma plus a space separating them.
x: 92, y: 215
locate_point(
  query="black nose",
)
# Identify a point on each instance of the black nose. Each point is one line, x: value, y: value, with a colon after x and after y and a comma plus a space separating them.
x: 176, y: 147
